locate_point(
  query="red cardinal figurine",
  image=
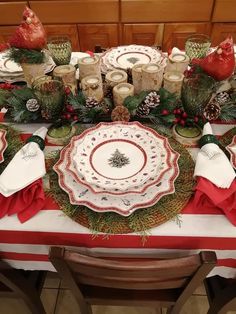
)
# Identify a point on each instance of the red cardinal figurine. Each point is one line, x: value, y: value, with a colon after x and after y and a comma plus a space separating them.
x: 30, y: 34
x: 219, y: 64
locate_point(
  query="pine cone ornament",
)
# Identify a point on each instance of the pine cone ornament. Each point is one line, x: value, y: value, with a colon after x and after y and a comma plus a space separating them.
x: 120, y: 113
x: 32, y: 105
x: 152, y: 100
x: 212, y: 111
x: 222, y: 98
x: 91, y: 102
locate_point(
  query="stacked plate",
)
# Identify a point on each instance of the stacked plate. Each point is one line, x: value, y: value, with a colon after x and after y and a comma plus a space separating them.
x: 231, y: 148
x: 3, y: 144
x: 125, y: 57
x: 117, y: 167
x: 11, y: 72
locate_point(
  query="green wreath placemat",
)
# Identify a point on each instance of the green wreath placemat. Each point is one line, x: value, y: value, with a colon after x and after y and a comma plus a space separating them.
x: 141, y: 220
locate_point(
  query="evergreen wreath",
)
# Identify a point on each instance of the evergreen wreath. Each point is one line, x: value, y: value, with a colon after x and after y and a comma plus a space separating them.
x: 21, y: 55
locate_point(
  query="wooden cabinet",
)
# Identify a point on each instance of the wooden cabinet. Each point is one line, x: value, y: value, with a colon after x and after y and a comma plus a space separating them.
x: 224, y: 11
x: 133, y: 11
x: 221, y: 30
x: 175, y: 34
x: 6, y: 32
x: 91, y: 35
x: 64, y: 30
x: 76, y: 11
x: 11, y: 12
x: 143, y: 34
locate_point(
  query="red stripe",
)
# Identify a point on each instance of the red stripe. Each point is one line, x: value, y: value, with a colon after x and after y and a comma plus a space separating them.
x: 24, y: 256
x: 188, y: 209
x: 233, y: 122
x: 25, y: 136
x: 227, y: 262
x: 116, y: 241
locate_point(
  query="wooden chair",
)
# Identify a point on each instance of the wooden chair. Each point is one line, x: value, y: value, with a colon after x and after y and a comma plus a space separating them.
x: 131, y: 282
x: 19, y: 284
x: 221, y: 293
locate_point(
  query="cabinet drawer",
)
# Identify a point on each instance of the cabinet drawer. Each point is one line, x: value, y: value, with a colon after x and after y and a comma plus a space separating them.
x: 80, y: 11
x: 166, y: 10
x: 11, y: 12
x: 224, y: 11
x: 221, y: 30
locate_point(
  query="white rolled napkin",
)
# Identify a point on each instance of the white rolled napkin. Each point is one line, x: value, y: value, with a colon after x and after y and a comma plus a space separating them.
x: 212, y: 163
x: 27, y: 166
x: 176, y: 50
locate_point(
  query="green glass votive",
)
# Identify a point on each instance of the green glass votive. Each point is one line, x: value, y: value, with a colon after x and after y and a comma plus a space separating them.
x: 50, y: 95
x: 197, y: 46
x: 60, y: 50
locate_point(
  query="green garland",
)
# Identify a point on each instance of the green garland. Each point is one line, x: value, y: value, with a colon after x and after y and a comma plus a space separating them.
x: 20, y: 55
x: 140, y: 220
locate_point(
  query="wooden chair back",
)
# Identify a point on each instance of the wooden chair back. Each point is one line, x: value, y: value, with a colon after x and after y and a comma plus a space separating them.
x: 166, y: 282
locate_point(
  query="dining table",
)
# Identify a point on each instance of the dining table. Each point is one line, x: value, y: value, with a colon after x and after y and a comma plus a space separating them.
x: 26, y: 245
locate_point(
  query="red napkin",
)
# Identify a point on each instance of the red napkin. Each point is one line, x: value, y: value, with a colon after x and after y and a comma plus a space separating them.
x: 25, y: 203
x: 208, y: 195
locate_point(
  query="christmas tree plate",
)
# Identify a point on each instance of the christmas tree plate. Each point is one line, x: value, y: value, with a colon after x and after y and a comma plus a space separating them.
x: 231, y: 148
x: 125, y: 57
x: 3, y: 144
x: 164, y: 158
x: 121, y: 157
x: 125, y: 205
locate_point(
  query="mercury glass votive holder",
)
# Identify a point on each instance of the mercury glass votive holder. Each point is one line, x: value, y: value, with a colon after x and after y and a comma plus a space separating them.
x: 60, y: 50
x: 197, y: 46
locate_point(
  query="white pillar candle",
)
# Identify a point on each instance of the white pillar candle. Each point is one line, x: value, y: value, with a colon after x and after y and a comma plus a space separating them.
x: 121, y: 91
x: 173, y: 82
x: 89, y: 66
x: 67, y: 74
x: 177, y: 62
x: 116, y: 77
x: 152, y: 76
x: 92, y: 87
x: 137, y: 78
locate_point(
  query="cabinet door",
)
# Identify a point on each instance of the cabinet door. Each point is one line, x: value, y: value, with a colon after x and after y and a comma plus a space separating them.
x: 6, y: 32
x: 221, y: 30
x: 143, y: 34
x: 64, y: 30
x: 224, y: 11
x: 91, y: 35
x: 11, y: 12
x: 175, y: 34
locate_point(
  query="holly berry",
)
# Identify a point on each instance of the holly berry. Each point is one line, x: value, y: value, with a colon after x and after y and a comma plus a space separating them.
x: 184, y: 115
x: 67, y: 90
x: 165, y: 112
x: 175, y: 111
x: 67, y: 116
x: 178, y: 111
x: 176, y: 120
x: 196, y: 119
x: 182, y: 122
x: 75, y: 118
x: 70, y: 108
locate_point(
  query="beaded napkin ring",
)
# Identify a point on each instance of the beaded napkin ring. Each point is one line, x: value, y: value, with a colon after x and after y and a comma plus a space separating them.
x: 207, y: 139
x: 37, y: 139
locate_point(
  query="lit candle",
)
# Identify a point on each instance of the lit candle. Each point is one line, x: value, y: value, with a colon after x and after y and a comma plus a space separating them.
x: 152, y: 76
x: 89, y: 66
x: 116, y: 77
x: 137, y: 78
x: 92, y: 87
x: 121, y: 91
x: 173, y: 82
x: 67, y: 74
x: 178, y: 57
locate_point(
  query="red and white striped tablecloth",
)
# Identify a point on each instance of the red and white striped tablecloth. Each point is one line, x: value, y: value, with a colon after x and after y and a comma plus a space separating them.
x: 26, y: 245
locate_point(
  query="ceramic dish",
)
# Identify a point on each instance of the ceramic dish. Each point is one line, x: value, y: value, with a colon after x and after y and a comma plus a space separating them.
x: 3, y: 144
x: 123, y: 205
x: 231, y: 148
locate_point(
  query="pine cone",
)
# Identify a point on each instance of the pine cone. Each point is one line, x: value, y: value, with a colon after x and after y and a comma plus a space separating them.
x: 143, y: 110
x: 222, y: 98
x: 91, y: 102
x: 152, y: 100
x: 120, y: 113
x: 107, y: 90
x: 212, y: 111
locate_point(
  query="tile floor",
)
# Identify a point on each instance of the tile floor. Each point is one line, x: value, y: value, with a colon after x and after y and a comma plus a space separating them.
x: 57, y: 299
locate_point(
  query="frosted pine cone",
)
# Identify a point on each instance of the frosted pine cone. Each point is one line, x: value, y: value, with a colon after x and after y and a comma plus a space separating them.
x: 152, y: 100
x: 120, y: 113
x: 91, y: 102
x: 222, y: 98
x: 212, y: 111
x: 143, y: 110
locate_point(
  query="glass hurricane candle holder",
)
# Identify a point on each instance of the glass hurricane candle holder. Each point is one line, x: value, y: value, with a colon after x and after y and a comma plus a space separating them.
x: 50, y: 95
x: 197, y: 46
x: 196, y: 93
x: 60, y: 50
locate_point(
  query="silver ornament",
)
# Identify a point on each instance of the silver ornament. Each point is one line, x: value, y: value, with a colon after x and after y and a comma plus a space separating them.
x: 32, y: 105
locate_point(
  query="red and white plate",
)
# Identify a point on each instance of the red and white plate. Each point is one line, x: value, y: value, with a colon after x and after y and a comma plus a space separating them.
x: 124, y: 204
x: 3, y: 144
x: 231, y: 148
